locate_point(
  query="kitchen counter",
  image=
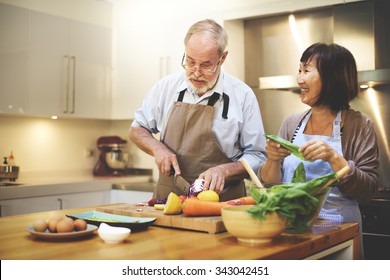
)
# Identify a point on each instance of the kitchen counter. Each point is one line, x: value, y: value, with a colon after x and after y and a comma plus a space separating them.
x: 161, y: 243
x: 135, y: 186
x: 73, y: 182
x: 73, y: 176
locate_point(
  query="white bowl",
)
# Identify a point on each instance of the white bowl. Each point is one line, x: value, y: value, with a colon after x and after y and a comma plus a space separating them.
x: 113, y: 235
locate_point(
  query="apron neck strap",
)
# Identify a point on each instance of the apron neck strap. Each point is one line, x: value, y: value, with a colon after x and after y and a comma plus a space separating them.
x: 212, y: 100
x: 225, y: 106
x: 181, y: 95
x: 215, y: 97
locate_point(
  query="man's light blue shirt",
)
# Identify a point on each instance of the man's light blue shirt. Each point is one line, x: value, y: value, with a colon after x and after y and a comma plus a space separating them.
x: 240, y: 135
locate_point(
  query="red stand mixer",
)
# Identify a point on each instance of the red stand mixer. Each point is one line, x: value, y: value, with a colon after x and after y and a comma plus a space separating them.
x: 113, y: 160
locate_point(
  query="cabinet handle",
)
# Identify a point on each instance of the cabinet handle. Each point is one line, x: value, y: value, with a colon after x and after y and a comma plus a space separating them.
x: 60, y: 201
x: 161, y: 67
x: 72, y: 95
x: 168, y: 60
x: 164, y: 66
x: 69, y: 86
x: 65, y: 84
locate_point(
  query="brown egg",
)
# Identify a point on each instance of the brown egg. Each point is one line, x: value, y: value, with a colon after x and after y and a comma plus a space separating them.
x: 80, y: 224
x: 40, y: 225
x: 52, y: 224
x: 65, y: 225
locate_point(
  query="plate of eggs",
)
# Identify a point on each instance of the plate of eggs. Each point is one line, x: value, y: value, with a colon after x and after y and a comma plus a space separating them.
x: 60, y: 228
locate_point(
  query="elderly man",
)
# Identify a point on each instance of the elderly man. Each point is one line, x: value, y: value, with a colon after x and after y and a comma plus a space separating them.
x: 207, y: 119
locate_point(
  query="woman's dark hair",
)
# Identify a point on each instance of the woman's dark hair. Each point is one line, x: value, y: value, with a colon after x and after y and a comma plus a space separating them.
x: 337, y: 68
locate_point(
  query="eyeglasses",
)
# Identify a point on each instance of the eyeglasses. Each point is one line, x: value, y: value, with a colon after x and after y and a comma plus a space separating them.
x: 205, y: 70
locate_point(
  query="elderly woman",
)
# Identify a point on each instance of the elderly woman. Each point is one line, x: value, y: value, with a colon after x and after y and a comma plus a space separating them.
x: 330, y: 134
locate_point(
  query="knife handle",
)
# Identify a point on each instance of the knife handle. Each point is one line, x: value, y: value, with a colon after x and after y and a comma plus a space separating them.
x: 172, y: 172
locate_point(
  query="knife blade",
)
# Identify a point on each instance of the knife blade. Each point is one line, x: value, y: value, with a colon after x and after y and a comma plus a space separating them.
x: 179, y: 181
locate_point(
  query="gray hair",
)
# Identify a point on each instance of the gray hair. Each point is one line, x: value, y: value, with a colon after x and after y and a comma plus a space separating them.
x: 212, y: 30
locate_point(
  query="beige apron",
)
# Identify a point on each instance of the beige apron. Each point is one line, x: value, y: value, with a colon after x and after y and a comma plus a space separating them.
x: 189, y: 135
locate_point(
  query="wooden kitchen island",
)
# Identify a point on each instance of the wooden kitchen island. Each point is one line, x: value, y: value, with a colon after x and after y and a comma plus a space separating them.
x: 161, y: 243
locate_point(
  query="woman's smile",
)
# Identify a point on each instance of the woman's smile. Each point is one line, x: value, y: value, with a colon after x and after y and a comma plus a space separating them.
x: 309, y: 81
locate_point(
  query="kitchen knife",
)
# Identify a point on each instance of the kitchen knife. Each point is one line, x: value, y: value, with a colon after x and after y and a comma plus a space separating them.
x: 179, y: 181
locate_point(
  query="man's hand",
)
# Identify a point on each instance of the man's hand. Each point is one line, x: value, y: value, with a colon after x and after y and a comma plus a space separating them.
x: 166, y: 160
x: 164, y: 157
x: 214, y: 178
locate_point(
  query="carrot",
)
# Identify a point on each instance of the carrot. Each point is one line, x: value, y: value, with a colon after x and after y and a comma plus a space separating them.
x: 194, y: 207
x: 246, y: 200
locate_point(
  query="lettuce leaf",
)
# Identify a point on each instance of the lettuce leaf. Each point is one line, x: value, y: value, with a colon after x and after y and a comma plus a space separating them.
x: 286, y: 144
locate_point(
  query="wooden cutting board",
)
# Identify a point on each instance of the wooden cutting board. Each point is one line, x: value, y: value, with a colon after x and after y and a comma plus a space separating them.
x: 212, y: 224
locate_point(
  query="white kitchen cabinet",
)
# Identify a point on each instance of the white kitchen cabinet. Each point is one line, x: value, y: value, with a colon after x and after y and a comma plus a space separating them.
x: 54, y: 65
x: 85, y: 199
x: 14, y: 55
x: 53, y: 202
x: 146, y: 50
x: 70, y: 67
x: 127, y: 196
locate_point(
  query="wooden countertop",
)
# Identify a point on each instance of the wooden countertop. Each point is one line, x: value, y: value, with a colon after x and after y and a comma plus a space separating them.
x: 160, y: 243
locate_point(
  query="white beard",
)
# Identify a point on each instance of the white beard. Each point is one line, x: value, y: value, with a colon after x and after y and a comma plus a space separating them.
x: 203, y: 89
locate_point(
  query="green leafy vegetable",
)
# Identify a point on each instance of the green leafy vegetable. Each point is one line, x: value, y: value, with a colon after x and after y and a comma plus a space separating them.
x: 299, y: 174
x: 260, y: 195
x: 296, y: 200
x: 296, y: 205
x: 286, y: 144
x: 298, y: 177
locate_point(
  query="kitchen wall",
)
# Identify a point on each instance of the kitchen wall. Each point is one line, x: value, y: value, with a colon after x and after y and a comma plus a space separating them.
x: 45, y: 145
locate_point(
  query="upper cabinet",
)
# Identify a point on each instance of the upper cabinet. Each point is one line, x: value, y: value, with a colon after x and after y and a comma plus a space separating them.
x: 146, y: 50
x: 14, y: 55
x: 63, y: 65
x: 70, y: 67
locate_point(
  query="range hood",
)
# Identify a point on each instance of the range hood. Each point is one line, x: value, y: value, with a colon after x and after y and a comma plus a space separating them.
x: 368, y: 78
x: 363, y: 28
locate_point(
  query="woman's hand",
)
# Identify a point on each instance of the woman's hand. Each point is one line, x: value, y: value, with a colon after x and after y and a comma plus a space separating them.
x: 270, y: 171
x: 275, y: 151
x: 317, y: 149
